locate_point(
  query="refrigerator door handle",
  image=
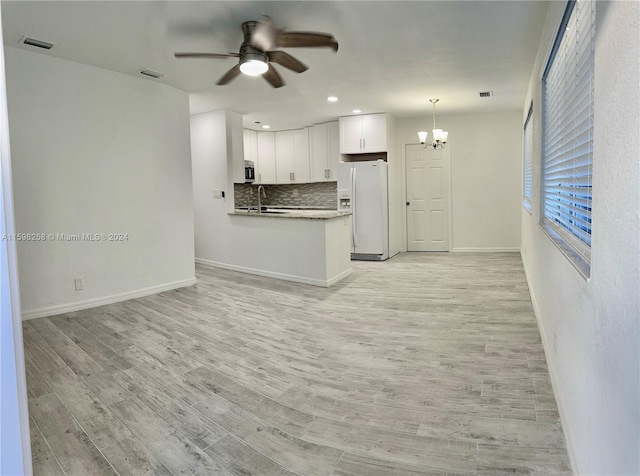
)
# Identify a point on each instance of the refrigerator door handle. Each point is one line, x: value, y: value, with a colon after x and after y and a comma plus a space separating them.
x: 354, y: 206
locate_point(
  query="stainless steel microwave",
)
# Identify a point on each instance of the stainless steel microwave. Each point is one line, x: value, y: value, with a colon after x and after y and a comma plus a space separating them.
x: 249, y: 171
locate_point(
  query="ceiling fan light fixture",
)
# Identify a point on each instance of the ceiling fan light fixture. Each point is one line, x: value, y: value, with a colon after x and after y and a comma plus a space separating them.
x: 254, y: 67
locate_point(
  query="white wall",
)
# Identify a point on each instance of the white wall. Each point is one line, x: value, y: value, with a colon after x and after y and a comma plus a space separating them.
x: 486, y: 176
x: 595, y: 363
x: 395, y: 157
x: 15, y: 447
x: 95, y: 151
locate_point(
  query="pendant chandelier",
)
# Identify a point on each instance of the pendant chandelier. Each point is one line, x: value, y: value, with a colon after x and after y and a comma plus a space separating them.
x: 439, y: 136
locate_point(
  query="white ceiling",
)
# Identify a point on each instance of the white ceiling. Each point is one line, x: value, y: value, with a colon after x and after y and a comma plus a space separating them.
x: 393, y: 56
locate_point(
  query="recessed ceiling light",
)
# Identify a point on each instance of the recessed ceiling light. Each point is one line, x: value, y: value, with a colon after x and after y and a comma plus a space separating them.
x: 332, y: 99
x: 266, y: 126
x: 356, y: 111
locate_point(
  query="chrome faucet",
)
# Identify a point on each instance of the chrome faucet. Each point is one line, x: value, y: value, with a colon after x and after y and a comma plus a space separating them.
x: 261, y: 194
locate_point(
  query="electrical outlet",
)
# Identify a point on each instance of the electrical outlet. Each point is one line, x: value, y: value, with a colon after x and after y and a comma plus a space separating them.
x: 217, y: 194
x: 78, y: 284
x: 295, y: 192
x: 555, y: 342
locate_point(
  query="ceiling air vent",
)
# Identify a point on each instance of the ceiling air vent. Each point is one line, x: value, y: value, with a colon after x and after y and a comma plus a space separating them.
x: 152, y: 73
x: 485, y: 94
x: 45, y: 45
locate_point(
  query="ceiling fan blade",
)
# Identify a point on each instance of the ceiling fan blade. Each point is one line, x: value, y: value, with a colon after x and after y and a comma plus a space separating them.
x: 273, y: 78
x: 264, y: 35
x: 288, y: 61
x: 206, y: 55
x: 229, y: 75
x: 306, y: 39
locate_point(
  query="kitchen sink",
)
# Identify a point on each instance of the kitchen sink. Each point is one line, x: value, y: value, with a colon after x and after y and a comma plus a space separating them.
x: 265, y: 211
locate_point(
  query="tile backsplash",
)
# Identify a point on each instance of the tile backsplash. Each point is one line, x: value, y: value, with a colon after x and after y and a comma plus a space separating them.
x: 321, y: 195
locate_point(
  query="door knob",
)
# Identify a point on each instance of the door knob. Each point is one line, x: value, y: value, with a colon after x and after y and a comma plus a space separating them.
x: 408, y: 203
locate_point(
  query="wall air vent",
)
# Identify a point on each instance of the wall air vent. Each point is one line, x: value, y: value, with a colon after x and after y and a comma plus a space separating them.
x: 45, y: 45
x: 152, y: 73
x: 485, y: 94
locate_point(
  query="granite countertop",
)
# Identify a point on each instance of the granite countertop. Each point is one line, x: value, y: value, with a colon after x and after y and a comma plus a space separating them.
x: 290, y: 212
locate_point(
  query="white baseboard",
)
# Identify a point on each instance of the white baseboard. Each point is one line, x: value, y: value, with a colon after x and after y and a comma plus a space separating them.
x: 101, y: 301
x: 273, y: 274
x: 571, y: 449
x: 508, y: 249
x: 339, y: 277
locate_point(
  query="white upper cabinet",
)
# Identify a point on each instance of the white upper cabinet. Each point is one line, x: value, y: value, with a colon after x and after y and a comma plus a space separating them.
x: 351, y: 133
x: 334, y: 151
x: 266, y: 158
x: 363, y: 134
x: 292, y: 156
x: 325, y: 151
x: 301, y: 169
x: 250, y: 138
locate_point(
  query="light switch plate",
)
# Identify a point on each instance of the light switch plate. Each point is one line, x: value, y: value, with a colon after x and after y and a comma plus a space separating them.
x: 217, y: 194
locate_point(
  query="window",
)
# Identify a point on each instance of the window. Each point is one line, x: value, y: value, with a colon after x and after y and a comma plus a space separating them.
x: 527, y: 161
x: 567, y: 88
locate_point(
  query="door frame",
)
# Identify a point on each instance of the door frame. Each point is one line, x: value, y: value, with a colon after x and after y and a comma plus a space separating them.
x: 447, y: 162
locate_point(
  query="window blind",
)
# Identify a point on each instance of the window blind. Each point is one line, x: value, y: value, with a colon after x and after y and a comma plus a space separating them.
x: 568, y: 129
x: 527, y: 161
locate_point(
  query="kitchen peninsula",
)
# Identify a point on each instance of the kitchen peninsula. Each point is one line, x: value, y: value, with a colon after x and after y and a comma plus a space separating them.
x: 294, y: 244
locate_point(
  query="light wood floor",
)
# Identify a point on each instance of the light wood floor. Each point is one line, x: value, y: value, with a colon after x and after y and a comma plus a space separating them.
x: 428, y: 364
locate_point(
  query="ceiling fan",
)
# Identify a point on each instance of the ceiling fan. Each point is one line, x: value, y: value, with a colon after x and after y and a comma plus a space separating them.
x: 258, y: 51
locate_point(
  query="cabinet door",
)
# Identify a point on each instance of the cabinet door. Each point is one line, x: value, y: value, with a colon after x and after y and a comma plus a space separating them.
x: 333, y: 156
x: 250, y: 144
x: 266, y: 158
x: 375, y: 133
x: 284, y: 156
x: 301, y: 172
x: 319, y: 142
x: 351, y: 135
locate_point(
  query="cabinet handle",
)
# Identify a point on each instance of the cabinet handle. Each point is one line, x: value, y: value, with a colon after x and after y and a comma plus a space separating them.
x: 364, y: 144
x: 291, y: 176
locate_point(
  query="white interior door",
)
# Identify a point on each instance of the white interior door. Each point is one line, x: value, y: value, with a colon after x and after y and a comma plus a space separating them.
x: 427, y: 199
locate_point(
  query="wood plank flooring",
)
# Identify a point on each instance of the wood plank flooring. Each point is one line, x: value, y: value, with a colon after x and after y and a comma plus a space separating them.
x: 427, y: 364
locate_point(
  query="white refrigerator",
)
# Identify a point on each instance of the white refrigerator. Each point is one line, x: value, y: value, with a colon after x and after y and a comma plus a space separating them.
x: 362, y: 189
